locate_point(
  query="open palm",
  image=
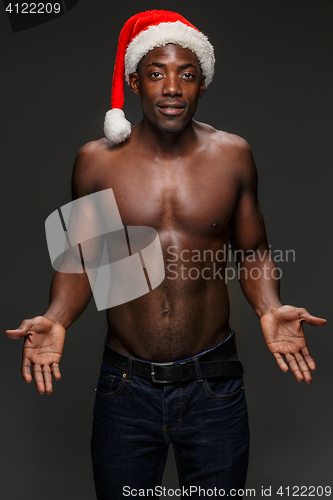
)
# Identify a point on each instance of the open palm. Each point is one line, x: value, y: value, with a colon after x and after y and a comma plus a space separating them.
x: 283, y: 332
x: 42, y: 350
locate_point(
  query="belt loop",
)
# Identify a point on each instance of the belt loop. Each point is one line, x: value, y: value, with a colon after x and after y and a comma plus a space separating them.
x: 197, y: 369
x: 129, y: 368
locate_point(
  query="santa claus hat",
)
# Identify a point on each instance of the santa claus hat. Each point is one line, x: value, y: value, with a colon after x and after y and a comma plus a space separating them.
x: 140, y: 34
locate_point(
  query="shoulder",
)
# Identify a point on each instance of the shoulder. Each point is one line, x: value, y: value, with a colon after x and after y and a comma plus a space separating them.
x: 232, y: 144
x: 237, y: 153
x: 87, y: 164
x: 92, y: 151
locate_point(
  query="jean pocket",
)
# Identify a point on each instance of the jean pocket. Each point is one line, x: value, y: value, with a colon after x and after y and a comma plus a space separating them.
x: 111, y: 381
x: 224, y: 387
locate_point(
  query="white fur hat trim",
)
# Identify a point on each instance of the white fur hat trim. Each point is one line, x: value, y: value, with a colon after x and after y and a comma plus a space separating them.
x: 177, y: 33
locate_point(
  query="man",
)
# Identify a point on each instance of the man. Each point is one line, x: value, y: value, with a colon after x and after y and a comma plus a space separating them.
x: 170, y: 372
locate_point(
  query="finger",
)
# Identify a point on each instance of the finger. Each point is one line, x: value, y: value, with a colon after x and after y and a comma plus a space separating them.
x: 21, y: 331
x: 25, y: 369
x: 55, y: 371
x: 303, y: 367
x: 311, y: 320
x: 309, y: 359
x: 38, y: 323
x: 314, y: 321
x: 15, y: 334
x: 294, y: 367
x: 38, y: 378
x: 46, y: 370
x: 281, y: 362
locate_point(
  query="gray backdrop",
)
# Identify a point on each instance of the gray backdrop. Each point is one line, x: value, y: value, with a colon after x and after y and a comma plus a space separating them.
x: 273, y: 86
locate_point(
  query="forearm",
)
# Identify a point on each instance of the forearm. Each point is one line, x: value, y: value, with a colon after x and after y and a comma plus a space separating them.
x: 69, y: 296
x: 260, y: 284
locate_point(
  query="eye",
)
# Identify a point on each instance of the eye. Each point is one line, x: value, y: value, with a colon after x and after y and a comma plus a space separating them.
x: 188, y: 76
x: 156, y: 75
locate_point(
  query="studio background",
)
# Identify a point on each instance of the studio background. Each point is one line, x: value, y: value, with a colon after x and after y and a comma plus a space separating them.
x: 273, y: 86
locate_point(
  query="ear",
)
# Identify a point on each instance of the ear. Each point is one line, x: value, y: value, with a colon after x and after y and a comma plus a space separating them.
x: 202, y: 86
x: 134, y: 83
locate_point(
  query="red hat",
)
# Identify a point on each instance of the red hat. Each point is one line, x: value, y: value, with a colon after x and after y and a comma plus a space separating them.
x: 140, y: 34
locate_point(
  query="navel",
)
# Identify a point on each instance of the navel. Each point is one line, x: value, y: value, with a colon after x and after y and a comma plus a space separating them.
x: 166, y: 311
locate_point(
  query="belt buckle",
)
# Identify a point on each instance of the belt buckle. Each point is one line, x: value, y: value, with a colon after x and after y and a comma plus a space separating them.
x: 153, y: 372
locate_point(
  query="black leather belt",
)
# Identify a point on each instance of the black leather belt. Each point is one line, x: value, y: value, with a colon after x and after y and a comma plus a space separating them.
x: 208, y: 365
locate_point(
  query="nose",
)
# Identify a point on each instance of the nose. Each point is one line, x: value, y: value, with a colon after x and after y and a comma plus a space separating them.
x: 171, y: 85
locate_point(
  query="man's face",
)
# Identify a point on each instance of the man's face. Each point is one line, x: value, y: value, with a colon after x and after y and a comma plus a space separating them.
x: 169, y: 82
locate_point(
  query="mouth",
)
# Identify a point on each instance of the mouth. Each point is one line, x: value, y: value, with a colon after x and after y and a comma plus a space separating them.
x: 170, y: 109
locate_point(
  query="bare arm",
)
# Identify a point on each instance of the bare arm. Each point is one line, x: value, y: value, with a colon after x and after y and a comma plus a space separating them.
x: 44, y: 336
x: 281, y: 325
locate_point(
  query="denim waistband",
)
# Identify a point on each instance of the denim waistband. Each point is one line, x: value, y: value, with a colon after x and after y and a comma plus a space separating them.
x: 209, y: 363
x: 231, y: 334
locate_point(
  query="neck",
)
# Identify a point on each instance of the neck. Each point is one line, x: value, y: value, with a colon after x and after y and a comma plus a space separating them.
x: 166, y: 143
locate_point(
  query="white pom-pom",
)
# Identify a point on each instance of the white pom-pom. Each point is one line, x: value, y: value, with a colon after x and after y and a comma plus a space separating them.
x: 116, y: 128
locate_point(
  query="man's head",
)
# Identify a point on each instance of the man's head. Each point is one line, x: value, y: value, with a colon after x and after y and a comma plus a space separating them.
x: 169, y: 82
x: 166, y: 35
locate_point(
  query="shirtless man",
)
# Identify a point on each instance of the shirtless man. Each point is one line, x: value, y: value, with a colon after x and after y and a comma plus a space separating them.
x: 197, y: 187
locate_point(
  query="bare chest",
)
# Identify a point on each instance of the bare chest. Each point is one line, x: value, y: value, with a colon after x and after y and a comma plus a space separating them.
x: 190, y: 197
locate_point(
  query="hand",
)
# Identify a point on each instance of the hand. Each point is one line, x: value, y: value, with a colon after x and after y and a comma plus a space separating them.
x: 283, y: 332
x: 42, y: 350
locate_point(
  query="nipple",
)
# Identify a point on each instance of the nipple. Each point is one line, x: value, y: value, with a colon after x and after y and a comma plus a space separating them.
x: 214, y: 224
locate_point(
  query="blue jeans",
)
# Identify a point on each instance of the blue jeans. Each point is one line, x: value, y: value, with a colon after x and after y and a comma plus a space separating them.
x: 135, y: 421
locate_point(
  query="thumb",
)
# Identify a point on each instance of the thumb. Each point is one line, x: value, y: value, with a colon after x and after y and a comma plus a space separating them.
x: 16, y: 334
x: 312, y: 320
x: 24, y: 328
